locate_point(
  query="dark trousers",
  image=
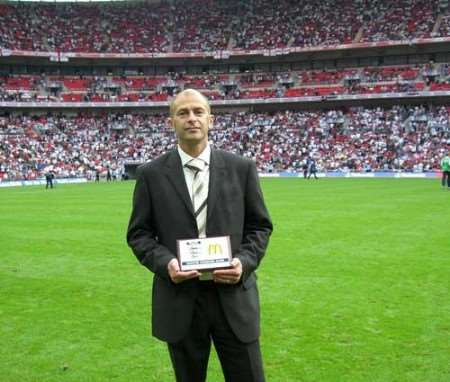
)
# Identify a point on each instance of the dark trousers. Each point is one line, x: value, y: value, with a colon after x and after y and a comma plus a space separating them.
x: 312, y: 173
x: 241, y: 362
x: 445, y: 178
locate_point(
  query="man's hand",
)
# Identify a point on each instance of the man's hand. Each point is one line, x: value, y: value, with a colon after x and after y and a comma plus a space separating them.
x: 230, y: 275
x: 178, y: 276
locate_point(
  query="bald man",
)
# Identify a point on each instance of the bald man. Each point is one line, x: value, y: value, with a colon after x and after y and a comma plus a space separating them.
x: 191, y: 308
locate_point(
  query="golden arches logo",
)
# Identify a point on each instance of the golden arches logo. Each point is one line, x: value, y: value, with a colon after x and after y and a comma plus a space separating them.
x: 214, y: 249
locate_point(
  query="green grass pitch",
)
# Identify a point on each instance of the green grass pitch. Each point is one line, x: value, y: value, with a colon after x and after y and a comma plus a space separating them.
x: 355, y: 285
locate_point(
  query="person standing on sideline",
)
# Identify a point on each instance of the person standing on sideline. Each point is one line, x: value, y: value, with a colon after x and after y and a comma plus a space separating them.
x: 305, y: 168
x: 191, y: 309
x: 312, y: 168
x: 445, y: 167
x: 49, y: 176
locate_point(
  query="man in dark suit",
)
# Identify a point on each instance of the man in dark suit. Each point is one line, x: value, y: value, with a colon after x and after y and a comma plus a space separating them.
x: 192, y: 308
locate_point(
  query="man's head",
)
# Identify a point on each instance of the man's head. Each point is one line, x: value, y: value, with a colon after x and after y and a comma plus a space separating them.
x: 190, y: 116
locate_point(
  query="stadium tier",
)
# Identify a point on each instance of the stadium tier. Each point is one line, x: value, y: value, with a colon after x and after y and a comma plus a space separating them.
x: 293, y: 83
x: 356, y: 139
x: 211, y: 25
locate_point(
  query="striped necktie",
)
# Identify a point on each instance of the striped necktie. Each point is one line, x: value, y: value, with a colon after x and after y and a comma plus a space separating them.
x: 199, y: 194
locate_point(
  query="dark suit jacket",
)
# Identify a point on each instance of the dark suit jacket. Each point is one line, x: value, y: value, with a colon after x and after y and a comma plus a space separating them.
x: 162, y: 213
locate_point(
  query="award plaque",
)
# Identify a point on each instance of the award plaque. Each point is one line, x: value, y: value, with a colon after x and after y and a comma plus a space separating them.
x: 204, y: 254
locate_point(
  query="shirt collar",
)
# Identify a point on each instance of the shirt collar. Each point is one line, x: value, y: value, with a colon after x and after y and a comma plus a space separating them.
x: 205, y: 155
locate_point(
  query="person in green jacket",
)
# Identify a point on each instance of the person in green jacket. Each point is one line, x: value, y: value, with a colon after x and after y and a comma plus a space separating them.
x: 445, y: 167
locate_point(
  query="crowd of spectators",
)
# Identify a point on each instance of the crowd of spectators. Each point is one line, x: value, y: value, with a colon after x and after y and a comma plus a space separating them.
x: 354, y: 139
x: 42, y: 88
x: 444, y: 27
x: 398, y: 20
x: 119, y: 27
x: 211, y: 25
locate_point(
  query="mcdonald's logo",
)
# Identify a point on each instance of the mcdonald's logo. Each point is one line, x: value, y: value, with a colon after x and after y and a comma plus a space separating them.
x: 214, y: 249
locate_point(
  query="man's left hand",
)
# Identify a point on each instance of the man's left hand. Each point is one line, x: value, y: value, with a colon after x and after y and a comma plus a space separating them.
x: 230, y: 275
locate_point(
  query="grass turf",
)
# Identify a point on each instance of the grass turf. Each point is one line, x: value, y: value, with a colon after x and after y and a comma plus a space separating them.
x: 355, y: 285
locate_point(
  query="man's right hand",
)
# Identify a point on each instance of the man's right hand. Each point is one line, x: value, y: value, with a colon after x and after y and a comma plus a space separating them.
x: 178, y: 276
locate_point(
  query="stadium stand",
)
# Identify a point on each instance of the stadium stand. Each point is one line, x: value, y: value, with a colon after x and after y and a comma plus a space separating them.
x: 355, y: 139
x: 135, y: 27
x: 399, y: 20
x: 387, y: 79
x: 65, y: 67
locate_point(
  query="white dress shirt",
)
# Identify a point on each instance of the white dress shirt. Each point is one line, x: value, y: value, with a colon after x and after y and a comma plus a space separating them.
x: 205, y: 156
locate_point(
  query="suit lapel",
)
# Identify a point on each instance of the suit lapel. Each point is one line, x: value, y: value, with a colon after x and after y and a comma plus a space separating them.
x: 174, y: 172
x: 217, y: 174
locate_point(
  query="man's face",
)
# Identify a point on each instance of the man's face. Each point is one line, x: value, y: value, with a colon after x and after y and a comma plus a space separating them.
x: 191, y: 119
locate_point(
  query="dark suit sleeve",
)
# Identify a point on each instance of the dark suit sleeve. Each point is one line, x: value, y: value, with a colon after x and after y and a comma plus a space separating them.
x: 257, y: 225
x: 141, y: 236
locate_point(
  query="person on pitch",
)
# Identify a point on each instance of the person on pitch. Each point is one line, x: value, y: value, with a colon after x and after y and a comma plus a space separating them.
x: 445, y: 167
x: 199, y: 192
